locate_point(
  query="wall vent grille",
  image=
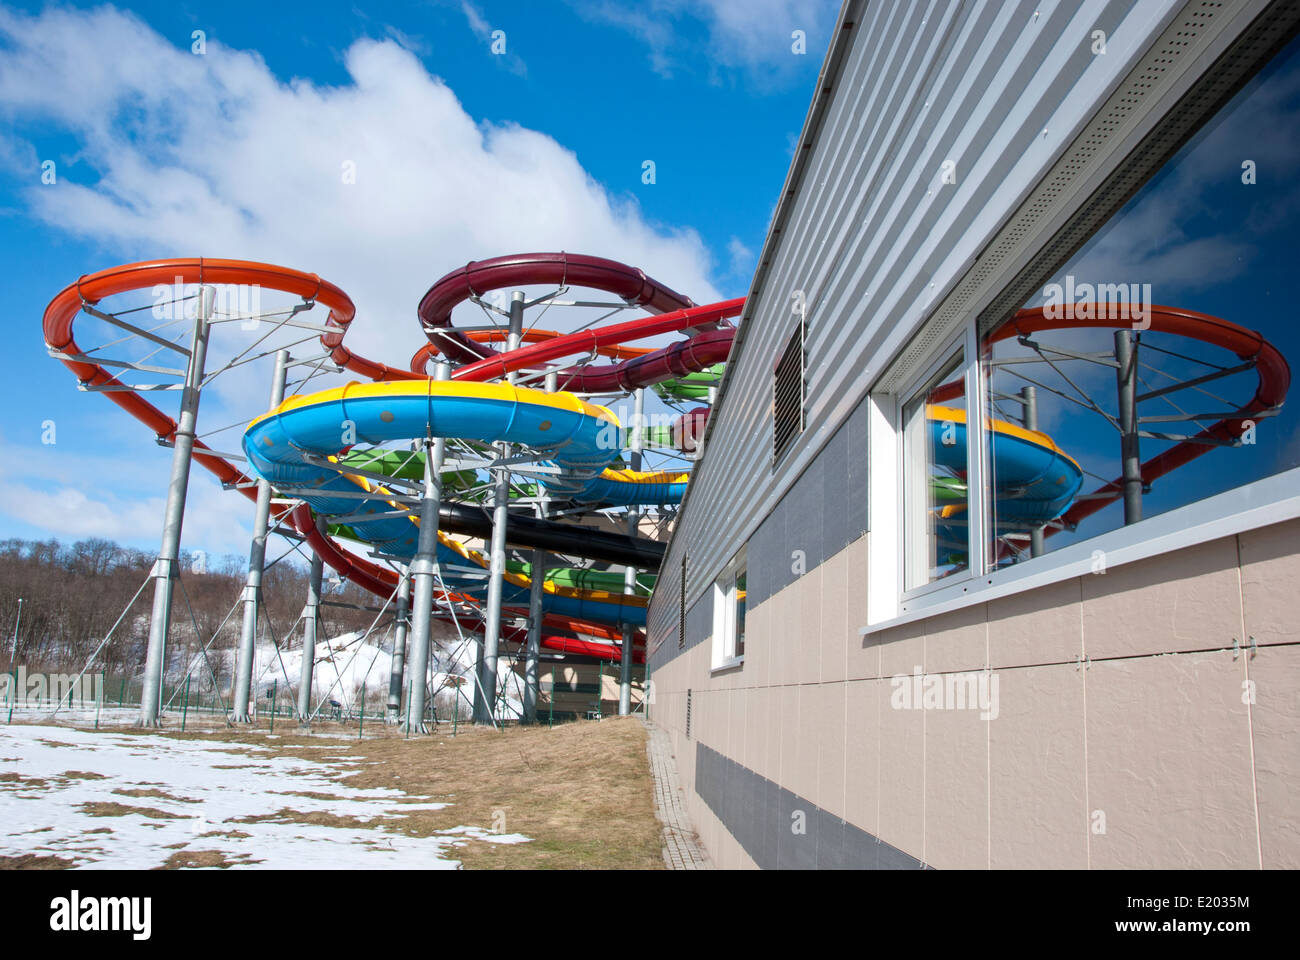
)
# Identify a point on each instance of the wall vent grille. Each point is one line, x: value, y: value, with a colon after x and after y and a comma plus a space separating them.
x: 681, y: 609
x: 789, y: 394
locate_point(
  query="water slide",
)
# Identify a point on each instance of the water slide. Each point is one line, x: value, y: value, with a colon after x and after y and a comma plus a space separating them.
x: 583, y: 592
x: 587, y: 461
x: 1034, y: 479
x: 287, y: 445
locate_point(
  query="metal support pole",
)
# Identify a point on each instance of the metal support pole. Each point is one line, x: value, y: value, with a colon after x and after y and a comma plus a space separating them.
x: 423, y: 569
x: 1130, y: 448
x: 629, y: 577
x: 485, y: 694
x: 256, y: 564
x: 310, y: 622
x: 1029, y: 401
x: 13, y: 647
x: 537, y: 593
x: 164, y: 570
x: 533, y: 649
x: 399, y: 648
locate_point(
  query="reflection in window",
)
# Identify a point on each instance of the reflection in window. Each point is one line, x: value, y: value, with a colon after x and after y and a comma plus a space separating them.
x: 936, y: 499
x: 741, y: 590
x: 1150, y: 372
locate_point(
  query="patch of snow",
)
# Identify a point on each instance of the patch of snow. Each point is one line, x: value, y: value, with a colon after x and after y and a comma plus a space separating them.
x: 49, y: 819
x: 479, y: 833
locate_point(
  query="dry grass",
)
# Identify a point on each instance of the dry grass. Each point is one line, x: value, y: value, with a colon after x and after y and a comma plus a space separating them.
x: 32, y: 861
x: 581, y: 791
x: 102, y: 809
x: 190, y: 859
x: 156, y: 794
x: 20, y: 780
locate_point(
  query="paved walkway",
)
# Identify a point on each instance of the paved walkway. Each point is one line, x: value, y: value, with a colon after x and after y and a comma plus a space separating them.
x: 682, y: 849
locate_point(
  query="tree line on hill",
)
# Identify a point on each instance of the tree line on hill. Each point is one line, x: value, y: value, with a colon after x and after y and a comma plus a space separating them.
x: 73, y: 594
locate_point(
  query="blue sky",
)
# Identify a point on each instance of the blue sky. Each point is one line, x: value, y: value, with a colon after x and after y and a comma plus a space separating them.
x: 461, y: 154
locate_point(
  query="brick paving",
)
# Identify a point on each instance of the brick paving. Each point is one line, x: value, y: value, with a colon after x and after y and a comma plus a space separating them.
x: 682, y: 849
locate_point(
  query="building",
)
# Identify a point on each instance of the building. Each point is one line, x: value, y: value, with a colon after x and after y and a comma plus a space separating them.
x: 877, y: 645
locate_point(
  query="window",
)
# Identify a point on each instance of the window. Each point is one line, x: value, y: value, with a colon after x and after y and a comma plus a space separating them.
x: 1149, y: 372
x: 788, y: 394
x: 936, y: 496
x: 729, y: 597
x: 1145, y: 373
x: 739, y: 616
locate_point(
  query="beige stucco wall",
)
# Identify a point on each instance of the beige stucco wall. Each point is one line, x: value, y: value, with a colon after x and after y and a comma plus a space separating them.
x: 1124, y: 737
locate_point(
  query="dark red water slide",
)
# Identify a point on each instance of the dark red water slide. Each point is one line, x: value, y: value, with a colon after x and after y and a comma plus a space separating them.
x: 709, y: 344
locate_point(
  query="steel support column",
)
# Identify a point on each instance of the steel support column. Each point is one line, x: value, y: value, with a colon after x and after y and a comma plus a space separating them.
x: 423, y: 572
x: 486, y: 692
x: 310, y: 621
x: 1029, y: 400
x: 629, y: 577
x: 536, y: 594
x: 1130, y: 448
x: 395, y: 676
x: 164, y: 571
x: 256, y: 564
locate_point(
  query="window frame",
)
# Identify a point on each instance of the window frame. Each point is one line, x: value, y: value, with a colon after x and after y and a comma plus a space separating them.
x: 914, y: 392
x: 962, y: 347
x: 724, y: 656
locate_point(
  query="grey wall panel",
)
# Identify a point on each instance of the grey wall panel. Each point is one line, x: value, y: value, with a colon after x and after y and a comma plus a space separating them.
x: 699, y: 620
x: 760, y: 815
x: 766, y: 556
x: 855, y: 514
x: 804, y: 526
x: 874, y: 238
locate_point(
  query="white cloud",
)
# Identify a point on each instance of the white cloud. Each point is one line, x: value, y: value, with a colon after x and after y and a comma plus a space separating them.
x: 213, y: 154
x: 476, y: 20
x: 742, y: 258
x: 755, y: 35
x: 484, y: 30
x: 216, y: 521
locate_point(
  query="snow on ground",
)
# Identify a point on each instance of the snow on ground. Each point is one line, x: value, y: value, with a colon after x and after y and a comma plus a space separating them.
x: 345, y: 663
x: 208, y: 788
x: 342, y: 665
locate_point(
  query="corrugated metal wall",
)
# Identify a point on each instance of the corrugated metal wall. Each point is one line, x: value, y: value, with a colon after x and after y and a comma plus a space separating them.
x: 874, y: 237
